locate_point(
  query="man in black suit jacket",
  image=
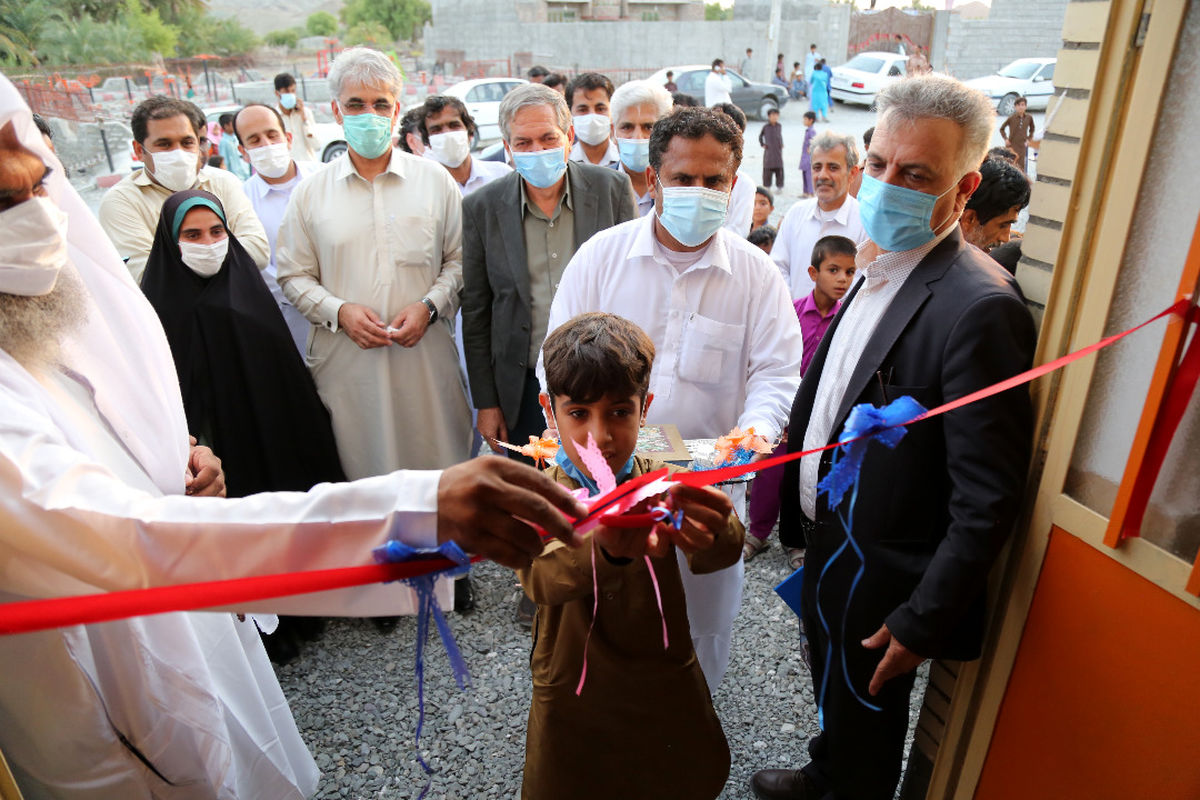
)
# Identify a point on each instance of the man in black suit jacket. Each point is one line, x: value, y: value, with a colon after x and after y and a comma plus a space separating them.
x: 516, y: 243
x: 936, y: 319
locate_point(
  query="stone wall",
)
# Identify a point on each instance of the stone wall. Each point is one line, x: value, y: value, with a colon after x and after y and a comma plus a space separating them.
x: 1014, y: 29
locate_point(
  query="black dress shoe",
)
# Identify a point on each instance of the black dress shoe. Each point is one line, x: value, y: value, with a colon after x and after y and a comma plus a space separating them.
x: 783, y: 784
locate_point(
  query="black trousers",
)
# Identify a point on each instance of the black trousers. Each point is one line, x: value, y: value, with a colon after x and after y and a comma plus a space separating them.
x: 768, y: 172
x: 530, y: 419
x: 857, y: 755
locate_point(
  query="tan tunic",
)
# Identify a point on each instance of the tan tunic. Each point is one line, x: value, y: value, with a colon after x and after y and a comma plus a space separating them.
x: 301, y: 125
x: 129, y: 215
x: 644, y: 726
x: 385, y: 245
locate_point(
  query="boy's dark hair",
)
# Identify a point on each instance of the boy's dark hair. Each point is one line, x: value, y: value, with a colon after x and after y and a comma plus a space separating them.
x: 43, y: 126
x: 538, y: 71
x: 810, y: 115
x: 765, y: 192
x: 588, y: 81
x: 670, y: 74
x: 867, y: 134
x: 717, y: 62
x: 694, y: 123
x: 225, y: 119
x: 217, y: 161
x: 762, y: 235
x: 795, y: 64
x: 734, y: 113
x: 773, y: 110
x: 1002, y: 153
x: 283, y: 80
x: 436, y: 104
x: 272, y: 109
x: 1002, y: 187
x: 684, y: 100
x: 1021, y: 99
x: 828, y: 246
x: 410, y: 123
x: 160, y: 106
x: 554, y: 80
x: 597, y: 355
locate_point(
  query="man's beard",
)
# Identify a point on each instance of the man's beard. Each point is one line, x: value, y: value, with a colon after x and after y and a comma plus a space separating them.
x: 32, y: 329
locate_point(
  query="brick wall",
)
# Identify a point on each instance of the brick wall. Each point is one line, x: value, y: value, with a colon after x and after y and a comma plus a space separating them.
x: 1014, y: 29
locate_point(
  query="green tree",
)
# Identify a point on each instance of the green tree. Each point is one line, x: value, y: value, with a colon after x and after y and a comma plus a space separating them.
x: 402, y: 18
x: 156, y: 35
x: 21, y: 24
x: 286, y: 38
x: 321, y: 23
x: 202, y: 33
x: 715, y: 12
x: 372, y: 34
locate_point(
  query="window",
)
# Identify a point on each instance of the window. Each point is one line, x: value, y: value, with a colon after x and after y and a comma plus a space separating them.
x: 1021, y: 70
x: 1047, y: 73
x: 865, y: 64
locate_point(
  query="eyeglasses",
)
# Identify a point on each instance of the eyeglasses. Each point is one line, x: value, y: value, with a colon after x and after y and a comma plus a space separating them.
x: 383, y: 107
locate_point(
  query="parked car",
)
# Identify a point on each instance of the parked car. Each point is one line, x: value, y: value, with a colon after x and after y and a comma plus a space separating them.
x: 865, y: 75
x: 755, y: 99
x: 482, y: 98
x: 1031, y: 78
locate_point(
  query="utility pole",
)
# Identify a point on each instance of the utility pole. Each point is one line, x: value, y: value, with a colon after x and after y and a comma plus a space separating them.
x: 772, y: 40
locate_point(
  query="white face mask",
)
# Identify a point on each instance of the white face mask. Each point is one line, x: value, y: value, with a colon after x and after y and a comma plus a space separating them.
x: 272, y: 160
x: 451, y: 148
x: 174, y: 169
x: 35, y: 249
x: 204, y: 259
x: 592, y: 129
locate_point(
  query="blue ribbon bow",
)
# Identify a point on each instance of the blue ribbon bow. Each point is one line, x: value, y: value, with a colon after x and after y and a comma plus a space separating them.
x: 427, y: 606
x: 866, y: 424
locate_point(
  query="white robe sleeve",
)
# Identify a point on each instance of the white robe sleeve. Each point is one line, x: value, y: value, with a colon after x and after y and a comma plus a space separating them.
x: 69, y: 525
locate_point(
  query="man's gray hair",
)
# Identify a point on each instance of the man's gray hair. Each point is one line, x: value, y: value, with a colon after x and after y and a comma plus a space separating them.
x: 636, y: 93
x: 828, y: 141
x: 941, y: 97
x: 533, y: 94
x: 362, y: 65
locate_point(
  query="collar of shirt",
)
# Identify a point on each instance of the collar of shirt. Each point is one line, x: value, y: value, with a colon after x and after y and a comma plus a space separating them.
x: 531, y: 208
x: 898, y: 265
x: 841, y: 216
x: 611, y: 156
x: 644, y: 246
x: 258, y: 188
x: 808, y: 305
x: 345, y: 167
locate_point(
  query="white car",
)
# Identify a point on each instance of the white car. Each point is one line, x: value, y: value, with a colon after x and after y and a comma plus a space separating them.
x: 865, y: 75
x: 482, y: 98
x: 1031, y: 78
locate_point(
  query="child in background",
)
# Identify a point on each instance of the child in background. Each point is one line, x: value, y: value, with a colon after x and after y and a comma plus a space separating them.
x: 763, y: 237
x: 771, y: 139
x: 1017, y: 131
x: 832, y: 272
x: 764, y: 204
x: 810, y: 119
x: 643, y: 725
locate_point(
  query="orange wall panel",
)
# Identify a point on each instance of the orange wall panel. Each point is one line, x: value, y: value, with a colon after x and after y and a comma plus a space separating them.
x: 1104, y: 698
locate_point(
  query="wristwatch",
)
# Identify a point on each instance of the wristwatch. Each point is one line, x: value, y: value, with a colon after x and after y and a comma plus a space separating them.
x: 433, y: 315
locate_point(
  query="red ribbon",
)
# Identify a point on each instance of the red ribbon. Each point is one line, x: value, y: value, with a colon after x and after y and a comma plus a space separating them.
x: 34, y: 615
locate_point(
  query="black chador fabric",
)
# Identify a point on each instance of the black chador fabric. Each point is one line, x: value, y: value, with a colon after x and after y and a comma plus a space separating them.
x: 245, y: 389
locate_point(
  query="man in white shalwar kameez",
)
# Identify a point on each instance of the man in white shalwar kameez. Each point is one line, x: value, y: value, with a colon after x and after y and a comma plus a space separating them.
x: 370, y: 251
x: 93, y: 464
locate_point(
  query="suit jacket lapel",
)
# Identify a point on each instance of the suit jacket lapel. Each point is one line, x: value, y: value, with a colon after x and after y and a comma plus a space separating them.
x: 586, y: 208
x: 511, y: 227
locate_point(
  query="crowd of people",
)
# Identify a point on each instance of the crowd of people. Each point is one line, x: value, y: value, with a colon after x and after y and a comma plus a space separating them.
x: 220, y: 378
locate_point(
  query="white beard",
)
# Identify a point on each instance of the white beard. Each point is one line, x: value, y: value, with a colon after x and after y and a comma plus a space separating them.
x: 32, y: 329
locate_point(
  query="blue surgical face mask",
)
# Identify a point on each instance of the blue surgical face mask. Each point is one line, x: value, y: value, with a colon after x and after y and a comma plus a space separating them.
x: 288, y: 100
x: 369, y: 135
x: 897, y: 218
x: 635, y: 154
x: 692, y: 214
x: 543, y: 168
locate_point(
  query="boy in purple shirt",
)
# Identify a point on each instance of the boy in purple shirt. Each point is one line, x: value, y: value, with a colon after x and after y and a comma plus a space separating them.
x: 832, y: 272
x: 810, y: 119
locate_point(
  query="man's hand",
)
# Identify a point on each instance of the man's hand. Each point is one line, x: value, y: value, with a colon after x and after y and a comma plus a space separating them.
x: 898, y: 659
x: 363, y: 326
x: 487, y: 505
x: 490, y: 424
x: 705, y: 517
x: 410, y: 324
x: 205, y: 477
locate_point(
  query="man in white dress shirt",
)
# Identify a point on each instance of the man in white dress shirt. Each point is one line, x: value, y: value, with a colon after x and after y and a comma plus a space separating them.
x: 262, y: 139
x: 370, y: 251
x: 727, y: 341
x: 717, y: 84
x: 589, y: 96
x: 94, y: 467
x: 832, y: 212
x: 447, y: 130
x: 636, y: 106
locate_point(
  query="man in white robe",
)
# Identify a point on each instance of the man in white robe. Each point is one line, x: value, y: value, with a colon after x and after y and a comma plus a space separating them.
x: 94, y: 465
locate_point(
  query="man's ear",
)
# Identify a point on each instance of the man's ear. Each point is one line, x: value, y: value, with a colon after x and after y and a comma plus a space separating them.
x: 137, y: 151
x: 969, y: 221
x: 337, y: 112
x: 288, y: 135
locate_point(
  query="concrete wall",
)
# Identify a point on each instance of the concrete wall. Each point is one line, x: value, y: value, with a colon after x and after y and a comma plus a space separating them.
x: 632, y: 45
x: 1014, y: 29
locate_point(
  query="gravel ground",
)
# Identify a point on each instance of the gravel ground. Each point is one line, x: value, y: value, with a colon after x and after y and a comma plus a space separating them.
x: 355, y: 700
